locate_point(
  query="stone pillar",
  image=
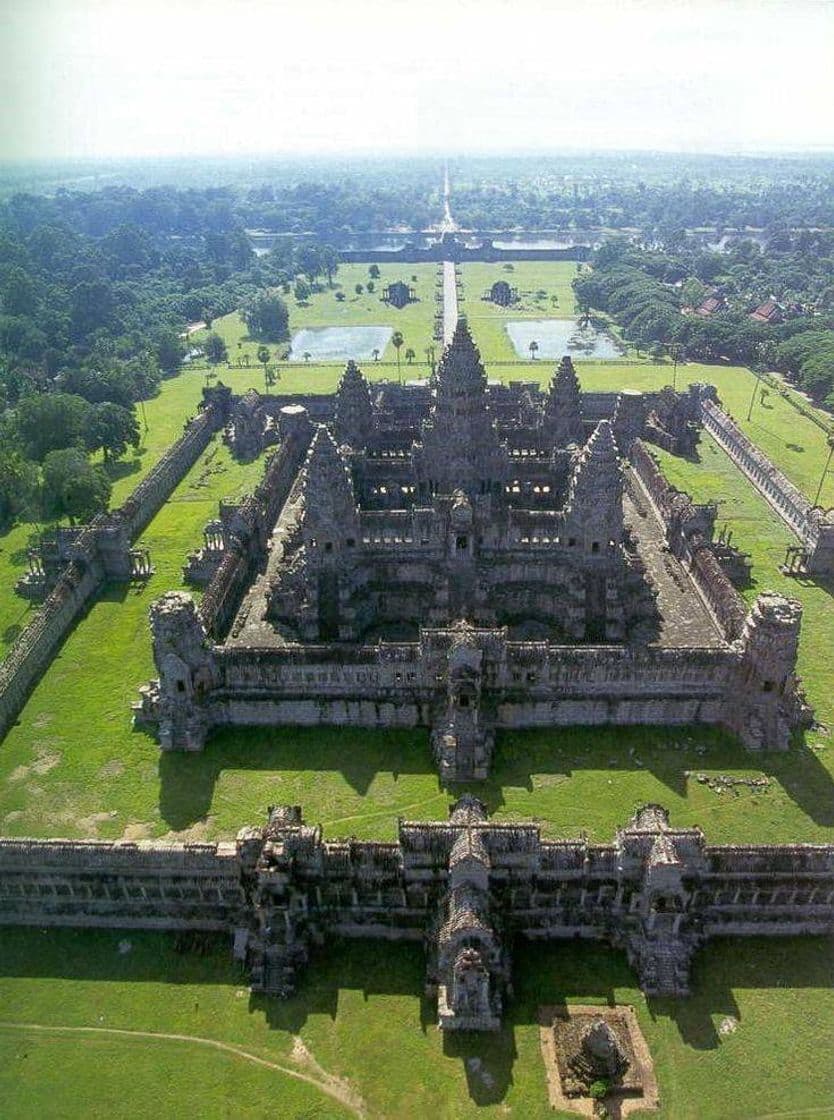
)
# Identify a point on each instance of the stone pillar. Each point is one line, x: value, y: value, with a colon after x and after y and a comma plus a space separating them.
x: 765, y: 702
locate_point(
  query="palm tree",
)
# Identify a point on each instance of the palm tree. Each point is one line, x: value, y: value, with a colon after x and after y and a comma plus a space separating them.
x: 533, y: 347
x: 307, y: 355
x: 410, y: 355
x: 263, y: 358
x: 375, y: 355
x: 397, y: 340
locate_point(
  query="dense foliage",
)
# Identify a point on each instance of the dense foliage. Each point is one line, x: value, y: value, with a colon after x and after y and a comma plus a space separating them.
x: 654, y: 194
x: 657, y: 296
x: 97, y: 288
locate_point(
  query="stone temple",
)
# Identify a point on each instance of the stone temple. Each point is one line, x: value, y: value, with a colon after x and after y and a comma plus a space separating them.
x: 467, y: 557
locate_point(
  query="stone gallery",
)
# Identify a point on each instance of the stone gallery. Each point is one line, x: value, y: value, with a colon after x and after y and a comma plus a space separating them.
x: 467, y: 888
x: 468, y: 557
x: 465, y: 557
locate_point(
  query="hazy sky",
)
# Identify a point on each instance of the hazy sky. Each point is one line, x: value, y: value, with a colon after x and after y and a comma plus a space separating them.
x: 127, y: 77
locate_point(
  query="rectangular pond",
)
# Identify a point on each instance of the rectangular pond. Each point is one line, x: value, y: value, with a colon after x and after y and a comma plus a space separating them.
x: 561, y: 336
x: 338, y: 344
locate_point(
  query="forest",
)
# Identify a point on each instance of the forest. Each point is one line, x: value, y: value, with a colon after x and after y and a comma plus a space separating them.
x: 98, y: 286
x: 700, y: 304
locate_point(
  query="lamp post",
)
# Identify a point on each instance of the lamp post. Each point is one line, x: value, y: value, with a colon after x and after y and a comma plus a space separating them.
x: 825, y: 469
x: 754, y: 369
x: 674, y: 350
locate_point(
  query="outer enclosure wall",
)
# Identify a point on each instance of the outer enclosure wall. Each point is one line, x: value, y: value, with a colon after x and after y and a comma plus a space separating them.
x: 545, y: 890
x: 144, y: 886
x: 83, y: 577
x: 813, y: 528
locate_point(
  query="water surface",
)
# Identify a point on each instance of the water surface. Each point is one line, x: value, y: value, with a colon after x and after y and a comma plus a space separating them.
x: 561, y: 336
x: 331, y: 344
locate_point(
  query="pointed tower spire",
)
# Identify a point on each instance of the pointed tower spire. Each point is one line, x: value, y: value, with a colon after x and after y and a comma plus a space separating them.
x: 595, y: 497
x: 460, y: 445
x: 327, y: 501
x: 460, y: 371
x: 354, y: 409
x: 563, y: 408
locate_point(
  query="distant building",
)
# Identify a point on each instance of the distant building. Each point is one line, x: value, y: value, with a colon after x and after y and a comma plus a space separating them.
x: 398, y: 294
x: 501, y: 293
x: 709, y: 306
x: 767, y: 312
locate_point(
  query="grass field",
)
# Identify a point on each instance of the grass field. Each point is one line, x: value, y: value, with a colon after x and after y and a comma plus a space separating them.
x: 73, y: 766
x: 487, y: 319
x: 415, y: 321
x: 57, y: 778
x: 752, y: 1041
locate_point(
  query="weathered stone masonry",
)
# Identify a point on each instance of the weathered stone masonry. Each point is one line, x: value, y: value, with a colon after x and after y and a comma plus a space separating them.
x: 814, y: 527
x: 468, y: 888
x: 101, y: 553
x: 467, y: 559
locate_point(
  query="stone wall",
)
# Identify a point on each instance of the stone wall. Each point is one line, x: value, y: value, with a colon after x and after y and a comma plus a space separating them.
x: 156, y: 487
x: 657, y: 892
x: 144, y: 885
x: 96, y: 558
x: 40, y: 640
x: 685, y: 524
x: 813, y: 527
x: 249, y: 531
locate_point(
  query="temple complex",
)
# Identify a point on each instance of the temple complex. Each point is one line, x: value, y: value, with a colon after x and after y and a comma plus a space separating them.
x: 468, y: 557
x: 471, y: 890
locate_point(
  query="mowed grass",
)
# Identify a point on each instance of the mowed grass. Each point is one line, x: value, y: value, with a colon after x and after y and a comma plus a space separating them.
x: 487, y: 320
x: 73, y: 765
x: 751, y: 1042
x: 415, y: 321
x: 794, y: 442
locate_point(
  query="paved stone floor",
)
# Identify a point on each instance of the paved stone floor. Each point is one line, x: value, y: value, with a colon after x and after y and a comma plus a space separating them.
x: 685, y: 618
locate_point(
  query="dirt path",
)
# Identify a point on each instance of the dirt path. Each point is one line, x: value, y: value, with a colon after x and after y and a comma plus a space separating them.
x: 332, y: 1086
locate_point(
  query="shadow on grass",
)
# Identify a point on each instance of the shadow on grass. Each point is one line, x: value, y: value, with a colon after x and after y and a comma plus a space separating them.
x: 728, y: 964
x: 544, y: 975
x: 187, y: 781
x: 122, y: 468
x: 11, y: 633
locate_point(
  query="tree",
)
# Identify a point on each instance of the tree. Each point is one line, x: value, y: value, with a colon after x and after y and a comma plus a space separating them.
x: 170, y: 351
x: 340, y: 297
x: 533, y: 348
x: 306, y: 355
x: 396, y: 341
x: 18, y: 479
x: 72, y: 486
x: 410, y: 355
x: 375, y: 354
x: 112, y: 428
x: 301, y: 291
x: 329, y: 262
x: 215, y: 349
x: 370, y: 286
x: 263, y: 358
x: 359, y: 289
x: 267, y: 317
x: 373, y: 272
x: 50, y: 422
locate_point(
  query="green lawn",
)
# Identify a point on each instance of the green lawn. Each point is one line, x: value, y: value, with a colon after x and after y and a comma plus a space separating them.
x: 415, y: 321
x: 487, y: 320
x: 73, y: 766
x: 361, y: 1016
